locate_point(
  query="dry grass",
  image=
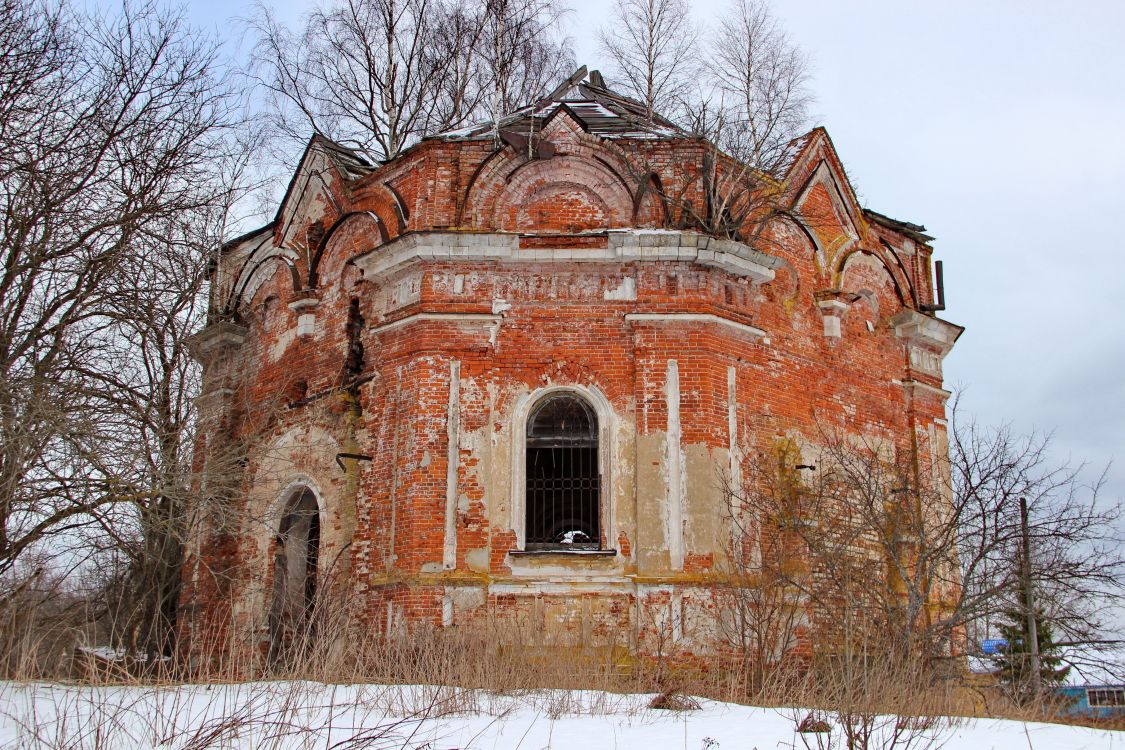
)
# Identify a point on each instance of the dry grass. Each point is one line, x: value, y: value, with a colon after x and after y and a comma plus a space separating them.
x: 472, y: 668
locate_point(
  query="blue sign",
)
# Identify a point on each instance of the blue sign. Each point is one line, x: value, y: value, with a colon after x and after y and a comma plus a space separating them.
x: 993, y: 646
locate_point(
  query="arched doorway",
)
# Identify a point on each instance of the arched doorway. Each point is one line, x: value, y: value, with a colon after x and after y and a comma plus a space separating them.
x: 296, y: 557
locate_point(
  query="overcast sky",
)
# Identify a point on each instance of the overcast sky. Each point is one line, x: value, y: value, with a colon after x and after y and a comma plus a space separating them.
x: 1001, y: 127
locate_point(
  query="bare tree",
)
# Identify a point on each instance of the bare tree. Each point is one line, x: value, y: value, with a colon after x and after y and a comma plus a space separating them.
x: 368, y: 74
x: 463, y: 88
x: 760, y: 610
x: 519, y: 52
x: 144, y: 382
x: 111, y: 129
x: 939, y: 539
x: 376, y: 75
x: 747, y: 111
x: 1076, y: 566
x: 761, y: 80
x: 652, y: 44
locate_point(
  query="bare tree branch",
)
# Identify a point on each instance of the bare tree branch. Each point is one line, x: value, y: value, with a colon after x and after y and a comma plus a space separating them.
x: 652, y: 44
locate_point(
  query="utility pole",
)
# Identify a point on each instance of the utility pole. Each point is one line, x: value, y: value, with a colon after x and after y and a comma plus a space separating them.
x: 1029, y: 602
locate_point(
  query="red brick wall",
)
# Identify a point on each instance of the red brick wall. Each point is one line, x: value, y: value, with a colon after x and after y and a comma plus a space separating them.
x: 560, y: 329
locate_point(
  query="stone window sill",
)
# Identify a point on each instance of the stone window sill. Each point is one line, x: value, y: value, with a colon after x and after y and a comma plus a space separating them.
x: 562, y: 552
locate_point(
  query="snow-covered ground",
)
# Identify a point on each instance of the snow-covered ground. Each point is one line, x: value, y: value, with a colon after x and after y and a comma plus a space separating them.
x: 268, y: 715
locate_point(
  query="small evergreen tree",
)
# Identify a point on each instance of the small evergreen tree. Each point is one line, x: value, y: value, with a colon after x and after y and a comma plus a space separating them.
x: 1013, y: 663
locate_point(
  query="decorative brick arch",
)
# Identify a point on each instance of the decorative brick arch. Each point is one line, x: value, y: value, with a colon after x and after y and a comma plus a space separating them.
x: 565, y: 206
x: 387, y: 202
x: 296, y: 567
x: 566, y: 194
x: 897, y: 281
x: 257, y: 271
x: 649, y: 208
x: 353, y: 233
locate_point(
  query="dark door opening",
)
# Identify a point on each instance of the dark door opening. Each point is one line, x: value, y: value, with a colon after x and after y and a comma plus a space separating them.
x: 297, y: 549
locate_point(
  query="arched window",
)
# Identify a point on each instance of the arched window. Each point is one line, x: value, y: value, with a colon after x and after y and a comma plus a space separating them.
x: 563, y: 489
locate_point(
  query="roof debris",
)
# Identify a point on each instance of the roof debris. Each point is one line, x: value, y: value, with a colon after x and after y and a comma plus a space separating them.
x: 914, y: 231
x: 585, y: 97
x: 350, y: 163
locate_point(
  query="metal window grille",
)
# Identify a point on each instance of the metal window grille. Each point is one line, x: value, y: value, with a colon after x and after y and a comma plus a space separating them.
x: 563, y: 488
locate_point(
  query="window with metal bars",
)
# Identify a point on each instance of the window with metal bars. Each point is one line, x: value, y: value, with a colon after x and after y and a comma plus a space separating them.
x: 563, y: 490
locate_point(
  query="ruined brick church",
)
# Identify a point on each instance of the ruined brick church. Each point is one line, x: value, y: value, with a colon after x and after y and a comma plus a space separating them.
x: 513, y: 371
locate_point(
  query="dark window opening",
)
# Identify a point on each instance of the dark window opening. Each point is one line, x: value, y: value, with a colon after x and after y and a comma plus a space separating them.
x: 1106, y: 697
x: 353, y: 363
x: 563, y: 488
x: 297, y: 390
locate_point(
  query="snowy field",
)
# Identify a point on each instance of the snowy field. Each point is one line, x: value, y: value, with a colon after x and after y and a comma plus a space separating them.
x: 276, y: 715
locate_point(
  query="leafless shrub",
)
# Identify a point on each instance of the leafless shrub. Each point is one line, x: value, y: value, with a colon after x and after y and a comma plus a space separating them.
x: 669, y: 701
x: 44, y: 617
x: 864, y: 701
x: 260, y: 715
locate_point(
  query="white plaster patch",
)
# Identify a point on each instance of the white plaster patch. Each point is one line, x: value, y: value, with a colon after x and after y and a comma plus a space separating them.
x: 734, y: 451
x: 453, y: 442
x: 626, y: 290
x: 477, y: 559
x: 832, y: 327
x: 674, y: 468
x: 281, y: 343
x: 465, y: 598
x: 405, y: 292
x: 925, y: 360
x: 446, y: 611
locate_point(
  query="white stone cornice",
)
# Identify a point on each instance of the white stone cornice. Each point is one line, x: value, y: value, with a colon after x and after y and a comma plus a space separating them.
x: 756, y: 333
x: 832, y: 307
x: 622, y: 246
x: 929, y: 390
x: 215, y: 337
x: 482, y: 319
x: 934, y: 333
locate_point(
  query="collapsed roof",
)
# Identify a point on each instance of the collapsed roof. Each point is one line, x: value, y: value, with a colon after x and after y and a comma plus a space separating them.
x: 601, y: 111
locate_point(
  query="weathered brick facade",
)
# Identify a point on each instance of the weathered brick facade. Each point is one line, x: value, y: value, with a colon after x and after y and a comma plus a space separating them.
x: 383, y: 342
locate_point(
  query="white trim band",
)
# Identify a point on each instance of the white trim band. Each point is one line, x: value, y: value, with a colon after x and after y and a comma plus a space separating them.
x: 482, y: 318
x: 756, y: 333
x: 621, y: 246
